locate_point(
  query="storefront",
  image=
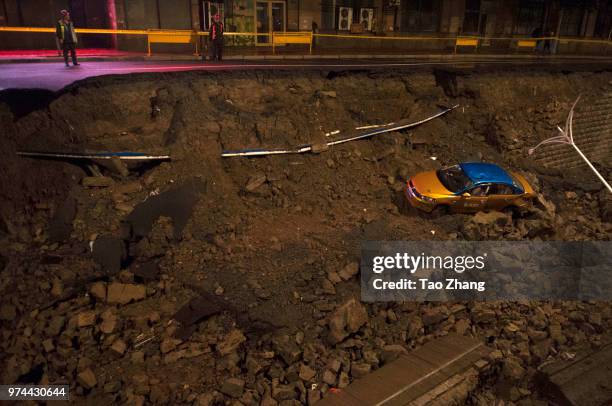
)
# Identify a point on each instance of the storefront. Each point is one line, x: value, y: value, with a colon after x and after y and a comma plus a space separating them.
x: 271, y: 15
x: 259, y: 16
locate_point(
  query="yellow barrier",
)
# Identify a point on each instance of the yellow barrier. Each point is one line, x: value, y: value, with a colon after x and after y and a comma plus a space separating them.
x: 282, y: 38
x: 172, y: 37
x: 466, y: 42
x: 531, y: 44
x: 378, y: 37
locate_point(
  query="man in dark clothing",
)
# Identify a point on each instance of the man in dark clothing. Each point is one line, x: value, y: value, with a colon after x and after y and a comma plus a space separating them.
x: 67, y: 37
x: 547, y: 42
x: 537, y: 33
x: 215, y: 38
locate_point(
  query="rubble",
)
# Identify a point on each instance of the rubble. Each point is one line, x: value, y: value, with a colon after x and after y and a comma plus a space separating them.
x: 194, y: 311
x: 249, y: 267
x: 97, y: 181
x: 231, y: 342
x: 86, y: 319
x: 307, y: 373
x: 109, y: 253
x: 109, y: 322
x: 98, y: 291
x: 255, y: 181
x: 87, y: 379
x: 233, y: 387
x: 118, y: 347
x: 349, y: 271
x: 347, y: 319
x: 7, y: 312
x: 124, y: 293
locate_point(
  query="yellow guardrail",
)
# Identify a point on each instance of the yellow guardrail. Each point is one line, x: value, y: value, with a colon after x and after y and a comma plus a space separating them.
x: 282, y: 38
x: 187, y: 36
x: 466, y: 42
x: 175, y: 37
x: 527, y: 43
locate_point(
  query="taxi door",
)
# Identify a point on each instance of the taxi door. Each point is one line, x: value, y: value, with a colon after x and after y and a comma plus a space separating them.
x: 500, y: 196
x: 474, y: 200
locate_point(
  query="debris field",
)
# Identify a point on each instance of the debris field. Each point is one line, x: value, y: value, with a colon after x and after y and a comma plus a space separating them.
x: 235, y: 280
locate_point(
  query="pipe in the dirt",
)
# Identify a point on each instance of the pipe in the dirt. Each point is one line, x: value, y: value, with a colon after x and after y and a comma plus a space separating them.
x: 400, y: 125
x: 128, y: 156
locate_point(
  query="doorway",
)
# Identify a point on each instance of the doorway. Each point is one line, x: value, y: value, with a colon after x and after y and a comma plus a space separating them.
x: 270, y: 16
x: 208, y: 9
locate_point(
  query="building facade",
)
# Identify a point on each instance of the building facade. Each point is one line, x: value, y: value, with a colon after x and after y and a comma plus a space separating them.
x: 441, y: 18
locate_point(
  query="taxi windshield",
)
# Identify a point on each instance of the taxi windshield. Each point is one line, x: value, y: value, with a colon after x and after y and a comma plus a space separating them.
x: 454, y: 179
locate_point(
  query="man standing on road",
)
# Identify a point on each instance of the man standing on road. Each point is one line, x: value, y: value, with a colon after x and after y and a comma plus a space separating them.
x: 67, y: 37
x: 215, y: 38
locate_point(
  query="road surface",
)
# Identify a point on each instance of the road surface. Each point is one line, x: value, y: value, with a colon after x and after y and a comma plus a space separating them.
x: 55, y: 76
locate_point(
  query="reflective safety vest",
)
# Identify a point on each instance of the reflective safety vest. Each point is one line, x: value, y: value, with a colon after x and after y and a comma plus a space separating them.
x: 61, y: 30
x: 216, y: 31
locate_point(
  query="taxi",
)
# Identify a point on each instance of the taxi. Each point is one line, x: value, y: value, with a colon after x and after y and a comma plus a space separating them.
x: 468, y: 187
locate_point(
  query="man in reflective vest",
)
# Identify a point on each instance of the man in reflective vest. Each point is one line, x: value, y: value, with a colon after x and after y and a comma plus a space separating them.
x: 67, y: 37
x: 215, y: 37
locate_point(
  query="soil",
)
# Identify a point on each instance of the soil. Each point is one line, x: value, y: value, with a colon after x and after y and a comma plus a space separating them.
x: 208, y: 280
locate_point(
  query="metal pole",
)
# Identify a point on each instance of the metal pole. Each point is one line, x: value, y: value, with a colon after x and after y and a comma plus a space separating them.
x: 592, y: 167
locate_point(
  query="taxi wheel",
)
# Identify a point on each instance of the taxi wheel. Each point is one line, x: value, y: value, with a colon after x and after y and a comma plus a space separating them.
x: 439, y: 211
x: 513, y: 211
x: 516, y: 211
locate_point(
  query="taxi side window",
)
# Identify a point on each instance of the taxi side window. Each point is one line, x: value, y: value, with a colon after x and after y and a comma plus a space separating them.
x: 501, y: 190
x: 480, y: 191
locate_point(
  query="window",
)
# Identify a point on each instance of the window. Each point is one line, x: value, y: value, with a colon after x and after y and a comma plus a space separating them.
x: 603, y: 27
x: 530, y: 17
x: 3, y: 13
x: 328, y: 20
x: 571, y: 23
x: 501, y: 190
x: 471, y: 19
x: 454, y: 179
x: 420, y: 15
x: 480, y: 191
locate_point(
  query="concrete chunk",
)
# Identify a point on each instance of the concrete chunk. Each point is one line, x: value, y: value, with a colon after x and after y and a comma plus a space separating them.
x: 97, y: 181
x: 233, y: 387
x: 87, y: 379
x: 123, y: 293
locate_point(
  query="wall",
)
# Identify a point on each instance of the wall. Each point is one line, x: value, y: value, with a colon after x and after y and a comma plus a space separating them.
x: 293, y: 15
x: 451, y: 19
x: 309, y: 12
x: 45, y: 13
x: 145, y: 14
x: 175, y: 14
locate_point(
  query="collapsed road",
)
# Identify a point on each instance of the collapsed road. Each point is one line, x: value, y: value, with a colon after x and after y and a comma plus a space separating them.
x: 236, y: 280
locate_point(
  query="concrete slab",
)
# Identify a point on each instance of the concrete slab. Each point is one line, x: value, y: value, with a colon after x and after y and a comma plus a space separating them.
x: 585, y: 380
x: 427, y: 375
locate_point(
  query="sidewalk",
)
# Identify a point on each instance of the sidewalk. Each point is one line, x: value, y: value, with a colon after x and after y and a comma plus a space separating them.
x: 250, y: 54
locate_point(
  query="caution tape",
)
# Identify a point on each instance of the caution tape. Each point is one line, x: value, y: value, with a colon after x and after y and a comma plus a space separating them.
x: 316, y: 35
x: 131, y: 32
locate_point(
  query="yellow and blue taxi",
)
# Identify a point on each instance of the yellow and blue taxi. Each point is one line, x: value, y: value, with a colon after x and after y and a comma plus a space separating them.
x: 468, y: 187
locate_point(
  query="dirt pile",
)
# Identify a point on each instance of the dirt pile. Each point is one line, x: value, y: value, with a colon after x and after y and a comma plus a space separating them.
x: 148, y: 288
